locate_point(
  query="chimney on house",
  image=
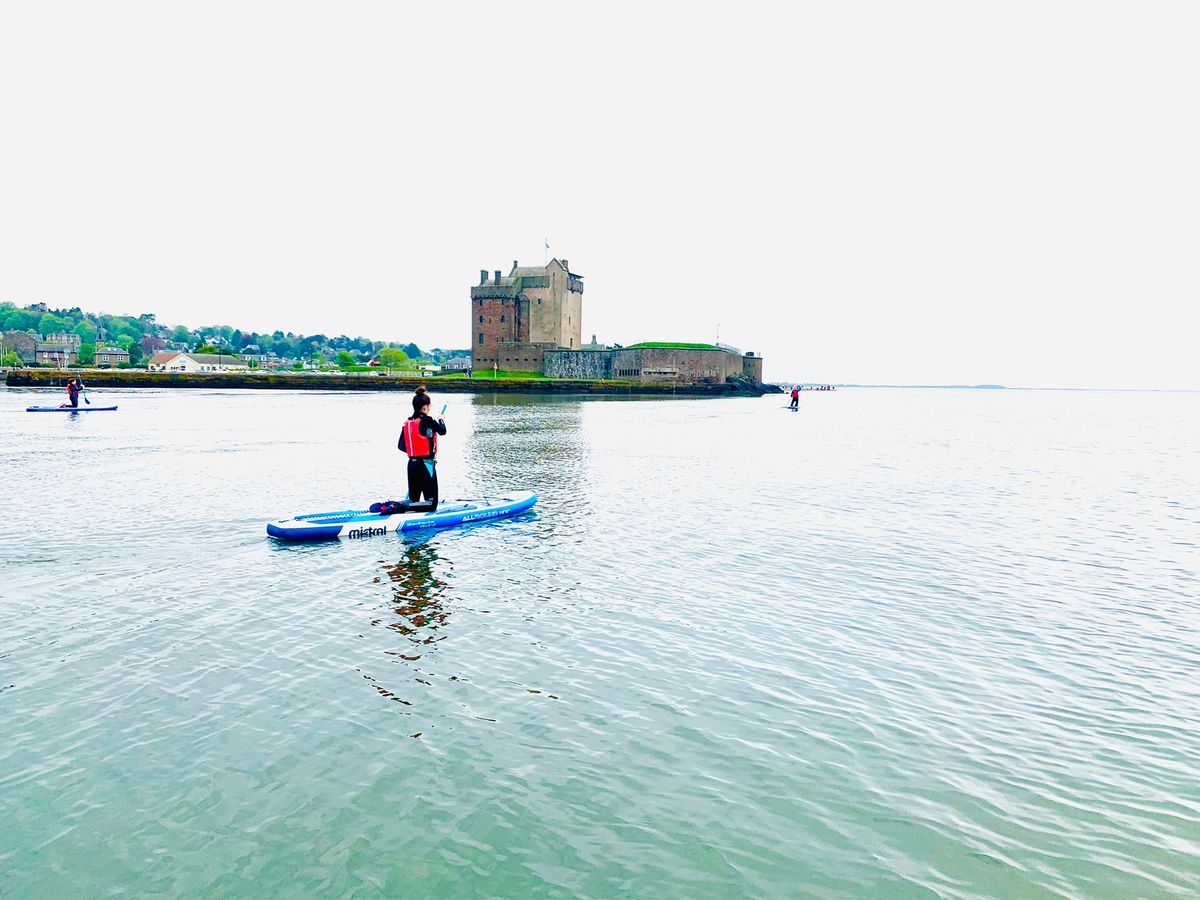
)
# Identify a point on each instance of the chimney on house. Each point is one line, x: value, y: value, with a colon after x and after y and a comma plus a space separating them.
x: 566, y: 265
x: 497, y: 276
x: 514, y: 267
x: 483, y: 276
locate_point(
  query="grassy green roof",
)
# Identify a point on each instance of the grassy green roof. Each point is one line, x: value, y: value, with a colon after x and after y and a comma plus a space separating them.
x: 670, y: 345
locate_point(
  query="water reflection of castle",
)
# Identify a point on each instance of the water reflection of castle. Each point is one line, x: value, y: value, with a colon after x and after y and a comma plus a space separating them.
x: 538, y: 442
x: 532, y: 321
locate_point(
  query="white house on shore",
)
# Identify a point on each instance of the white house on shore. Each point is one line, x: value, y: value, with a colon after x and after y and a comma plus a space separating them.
x: 195, y: 362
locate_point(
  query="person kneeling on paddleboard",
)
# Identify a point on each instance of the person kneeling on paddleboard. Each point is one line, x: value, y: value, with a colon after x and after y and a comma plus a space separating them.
x: 419, y: 440
x: 74, y: 388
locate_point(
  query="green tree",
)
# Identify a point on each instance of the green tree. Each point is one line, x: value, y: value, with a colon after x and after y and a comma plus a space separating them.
x: 345, y: 360
x: 123, y: 326
x: 180, y: 335
x: 86, y: 331
x: 135, y: 353
x: 13, y: 319
x: 394, y: 358
x: 207, y: 348
x: 297, y: 365
x: 87, y: 354
x: 10, y: 359
x: 50, y: 324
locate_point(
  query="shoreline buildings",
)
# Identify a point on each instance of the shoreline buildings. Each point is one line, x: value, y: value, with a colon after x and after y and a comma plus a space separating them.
x: 178, y: 361
x: 532, y: 321
x: 60, y: 349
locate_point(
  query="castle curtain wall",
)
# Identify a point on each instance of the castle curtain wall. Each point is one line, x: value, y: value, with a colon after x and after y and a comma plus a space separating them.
x: 685, y: 366
x: 579, y: 364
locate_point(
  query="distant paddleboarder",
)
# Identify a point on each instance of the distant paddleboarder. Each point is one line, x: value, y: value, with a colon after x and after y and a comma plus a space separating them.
x: 74, y: 389
x: 795, y: 397
x: 419, y: 440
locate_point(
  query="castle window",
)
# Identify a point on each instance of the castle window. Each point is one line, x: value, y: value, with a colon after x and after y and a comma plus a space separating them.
x: 539, y: 301
x: 501, y: 317
x: 481, y: 320
x: 481, y: 337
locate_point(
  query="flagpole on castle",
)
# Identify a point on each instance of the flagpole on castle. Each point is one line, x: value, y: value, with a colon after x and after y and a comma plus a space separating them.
x: 546, y: 253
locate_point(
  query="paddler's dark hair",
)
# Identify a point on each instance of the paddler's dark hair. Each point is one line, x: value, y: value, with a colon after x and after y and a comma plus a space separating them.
x: 420, y: 399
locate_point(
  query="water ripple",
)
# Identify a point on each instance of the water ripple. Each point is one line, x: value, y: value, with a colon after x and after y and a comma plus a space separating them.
x: 903, y: 643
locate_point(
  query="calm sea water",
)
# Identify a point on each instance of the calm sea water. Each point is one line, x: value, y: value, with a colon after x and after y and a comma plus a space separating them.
x: 897, y: 644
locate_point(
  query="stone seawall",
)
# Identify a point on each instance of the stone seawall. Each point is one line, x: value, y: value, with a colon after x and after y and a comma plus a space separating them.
x: 370, y: 382
x: 585, y: 365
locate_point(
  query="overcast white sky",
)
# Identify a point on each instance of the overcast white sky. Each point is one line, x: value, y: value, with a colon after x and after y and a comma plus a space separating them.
x: 928, y: 192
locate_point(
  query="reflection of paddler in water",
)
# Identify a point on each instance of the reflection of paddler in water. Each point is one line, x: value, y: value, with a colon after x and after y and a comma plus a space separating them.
x: 418, y: 593
x: 418, y: 439
x: 418, y: 608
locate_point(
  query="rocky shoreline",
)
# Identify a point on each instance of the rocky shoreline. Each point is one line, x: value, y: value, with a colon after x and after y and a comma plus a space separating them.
x: 120, y: 378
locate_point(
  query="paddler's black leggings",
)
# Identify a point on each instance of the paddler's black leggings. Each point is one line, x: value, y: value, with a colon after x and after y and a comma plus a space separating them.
x: 422, y: 479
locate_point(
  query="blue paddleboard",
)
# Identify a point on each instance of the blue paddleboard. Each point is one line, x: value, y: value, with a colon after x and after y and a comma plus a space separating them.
x: 363, y: 523
x: 70, y: 409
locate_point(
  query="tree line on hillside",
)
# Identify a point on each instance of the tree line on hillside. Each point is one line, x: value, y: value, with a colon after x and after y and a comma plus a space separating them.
x: 143, y: 336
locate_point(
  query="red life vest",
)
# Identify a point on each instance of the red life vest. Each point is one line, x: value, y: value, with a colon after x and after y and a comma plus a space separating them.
x: 415, y: 443
x: 795, y: 393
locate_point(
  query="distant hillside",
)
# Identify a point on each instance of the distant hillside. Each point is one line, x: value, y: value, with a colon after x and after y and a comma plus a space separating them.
x: 143, y: 336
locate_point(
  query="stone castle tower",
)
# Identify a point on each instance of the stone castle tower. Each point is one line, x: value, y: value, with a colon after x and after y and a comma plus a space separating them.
x: 515, y: 319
